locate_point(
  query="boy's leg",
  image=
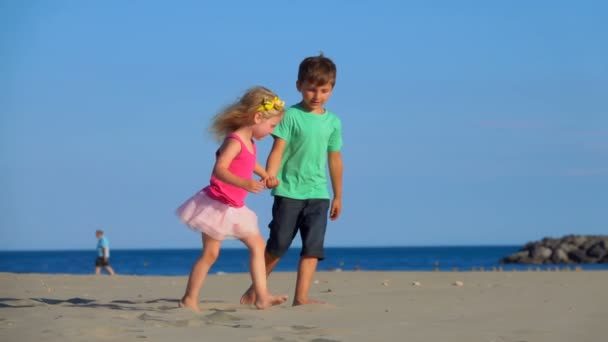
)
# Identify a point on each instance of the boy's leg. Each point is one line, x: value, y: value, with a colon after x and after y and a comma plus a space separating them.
x: 264, y: 299
x: 283, y: 228
x: 211, y: 250
x: 306, y: 271
x: 312, y: 230
x: 97, y: 270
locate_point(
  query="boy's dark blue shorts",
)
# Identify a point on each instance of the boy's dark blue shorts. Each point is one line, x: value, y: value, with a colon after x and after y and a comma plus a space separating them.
x: 290, y: 215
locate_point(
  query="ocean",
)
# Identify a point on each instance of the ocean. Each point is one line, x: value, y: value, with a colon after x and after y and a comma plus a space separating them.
x: 177, y: 262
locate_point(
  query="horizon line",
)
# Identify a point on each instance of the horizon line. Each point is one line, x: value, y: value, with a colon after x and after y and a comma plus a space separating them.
x: 245, y: 248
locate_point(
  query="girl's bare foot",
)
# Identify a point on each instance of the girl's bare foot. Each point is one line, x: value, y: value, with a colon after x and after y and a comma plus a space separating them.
x: 307, y: 301
x: 267, y: 301
x: 189, y: 303
x: 248, y: 297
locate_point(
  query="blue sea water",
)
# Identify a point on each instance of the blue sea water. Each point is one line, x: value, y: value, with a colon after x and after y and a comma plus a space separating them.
x: 178, y: 261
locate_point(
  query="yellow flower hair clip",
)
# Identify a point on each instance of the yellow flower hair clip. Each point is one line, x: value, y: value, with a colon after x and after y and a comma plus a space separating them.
x: 275, y: 103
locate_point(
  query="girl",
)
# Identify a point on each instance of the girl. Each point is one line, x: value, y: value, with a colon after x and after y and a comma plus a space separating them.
x: 218, y: 210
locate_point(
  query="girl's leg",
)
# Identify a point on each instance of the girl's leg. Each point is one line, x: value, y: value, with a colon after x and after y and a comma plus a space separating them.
x: 257, y: 267
x: 211, y: 250
x: 270, y: 262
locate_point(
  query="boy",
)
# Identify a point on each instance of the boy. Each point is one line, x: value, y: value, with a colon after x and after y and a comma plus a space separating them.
x: 307, y: 140
x: 103, y: 254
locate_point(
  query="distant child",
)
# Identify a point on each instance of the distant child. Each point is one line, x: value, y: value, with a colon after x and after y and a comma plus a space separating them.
x: 218, y: 210
x: 103, y: 254
x: 308, y: 138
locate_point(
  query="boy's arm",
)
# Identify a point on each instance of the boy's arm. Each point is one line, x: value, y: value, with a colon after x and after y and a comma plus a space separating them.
x: 105, y: 253
x: 273, y: 163
x: 335, y: 173
x: 269, y: 182
x: 229, y: 150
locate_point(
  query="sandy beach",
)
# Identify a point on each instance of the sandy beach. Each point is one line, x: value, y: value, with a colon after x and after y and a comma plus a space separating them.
x: 362, y: 306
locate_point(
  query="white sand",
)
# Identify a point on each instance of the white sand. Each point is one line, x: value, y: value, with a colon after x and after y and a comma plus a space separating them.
x: 363, y: 306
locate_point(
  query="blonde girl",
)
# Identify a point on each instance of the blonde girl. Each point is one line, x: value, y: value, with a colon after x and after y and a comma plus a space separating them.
x: 218, y: 211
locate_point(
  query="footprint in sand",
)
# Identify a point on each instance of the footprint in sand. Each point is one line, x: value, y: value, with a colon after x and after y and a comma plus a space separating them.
x: 298, y: 329
x: 267, y: 339
x: 225, y: 319
x: 165, y: 322
x: 315, y: 334
x: 222, y: 316
x: 7, y: 323
x: 284, y: 339
x: 102, y: 332
x: 147, y: 317
x: 218, y: 317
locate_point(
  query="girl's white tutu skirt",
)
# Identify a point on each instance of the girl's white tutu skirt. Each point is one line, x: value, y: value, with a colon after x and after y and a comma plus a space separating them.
x: 216, y: 219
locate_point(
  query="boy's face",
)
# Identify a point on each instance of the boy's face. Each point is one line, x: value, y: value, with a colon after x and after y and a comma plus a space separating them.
x: 98, y: 235
x: 314, y: 96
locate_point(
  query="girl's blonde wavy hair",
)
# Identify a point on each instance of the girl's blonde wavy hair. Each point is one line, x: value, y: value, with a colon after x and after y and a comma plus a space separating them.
x: 241, y: 113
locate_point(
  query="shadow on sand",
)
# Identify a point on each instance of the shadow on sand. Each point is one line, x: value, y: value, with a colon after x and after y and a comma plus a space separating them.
x: 120, y: 304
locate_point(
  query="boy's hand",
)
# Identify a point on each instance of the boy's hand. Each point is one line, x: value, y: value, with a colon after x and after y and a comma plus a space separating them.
x: 336, y: 209
x: 254, y: 186
x: 271, y: 182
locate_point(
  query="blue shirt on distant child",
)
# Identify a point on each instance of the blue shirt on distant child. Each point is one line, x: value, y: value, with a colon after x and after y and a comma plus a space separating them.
x: 101, y: 244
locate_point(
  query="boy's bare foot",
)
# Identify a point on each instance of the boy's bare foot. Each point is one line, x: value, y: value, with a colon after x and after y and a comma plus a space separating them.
x: 189, y: 303
x: 265, y: 302
x: 307, y: 301
x: 248, y: 297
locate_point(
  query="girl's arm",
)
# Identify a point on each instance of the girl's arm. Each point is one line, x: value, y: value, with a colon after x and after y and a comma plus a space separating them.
x: 335, y: 173
x: 269, y: 182
x: 228, y: 151
x: 260, y: 171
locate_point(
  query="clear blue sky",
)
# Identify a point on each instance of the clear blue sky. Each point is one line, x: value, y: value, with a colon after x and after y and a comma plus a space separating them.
x: 465, y: 122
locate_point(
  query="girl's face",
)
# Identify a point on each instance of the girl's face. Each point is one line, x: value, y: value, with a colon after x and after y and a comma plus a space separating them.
x: 263, y: 127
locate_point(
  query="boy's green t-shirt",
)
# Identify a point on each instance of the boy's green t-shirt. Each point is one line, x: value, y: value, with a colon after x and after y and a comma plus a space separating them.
x: 309, y: 137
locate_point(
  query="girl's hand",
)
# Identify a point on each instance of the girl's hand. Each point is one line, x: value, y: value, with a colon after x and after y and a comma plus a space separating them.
x: 254, y: 186
x: 271, y: 182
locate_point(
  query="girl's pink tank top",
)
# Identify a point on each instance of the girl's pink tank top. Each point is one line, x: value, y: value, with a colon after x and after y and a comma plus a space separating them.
x: 242, y: 165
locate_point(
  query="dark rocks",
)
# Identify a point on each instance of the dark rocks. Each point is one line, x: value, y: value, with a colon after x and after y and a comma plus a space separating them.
x: 540, y: 252
x: 570, y: 249
x: 597, y: 251
x: 578, y: 256
x: 559, y: 256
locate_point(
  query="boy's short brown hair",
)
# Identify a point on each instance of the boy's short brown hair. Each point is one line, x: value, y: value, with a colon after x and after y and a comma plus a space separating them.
x: 318, y: 70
